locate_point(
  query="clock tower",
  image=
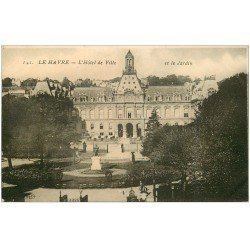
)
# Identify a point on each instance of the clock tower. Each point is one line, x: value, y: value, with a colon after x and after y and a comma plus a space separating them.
x: 129, y: 64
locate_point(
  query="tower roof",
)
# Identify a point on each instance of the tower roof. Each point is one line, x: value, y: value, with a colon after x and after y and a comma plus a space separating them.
x: 129, y: 54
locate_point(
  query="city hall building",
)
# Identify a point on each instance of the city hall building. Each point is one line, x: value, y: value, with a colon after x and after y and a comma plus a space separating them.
x: 125, y: 110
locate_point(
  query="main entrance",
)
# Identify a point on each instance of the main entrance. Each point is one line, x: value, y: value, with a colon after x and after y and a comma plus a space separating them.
x: 120, y: 130
x: 129, y: 130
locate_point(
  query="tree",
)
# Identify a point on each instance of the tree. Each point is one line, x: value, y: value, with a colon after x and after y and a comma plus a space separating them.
x: 7, y: 82
x: 66, y: 82
x: 13, y: 117
x: 216, y: 142
x: 41, y: 126
x: 53, y: 128
x: 153, y: 122
x: 222, y: 120
x: 30, y: 82
x: 169, y: 80
x: 152, y: 128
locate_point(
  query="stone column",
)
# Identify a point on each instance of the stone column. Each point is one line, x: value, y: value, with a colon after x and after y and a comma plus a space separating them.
x: 124, y: 131
x: 134, y: 131
x: 115, y: 129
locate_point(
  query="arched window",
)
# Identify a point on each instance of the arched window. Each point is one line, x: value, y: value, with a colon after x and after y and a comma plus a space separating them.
x: 101, y: 114
x: 167, y: 112
x: 158, y: 111
x: 110, y: 113
x: 92, y: 114
x: 176, y: 112
x: 83, y: 114
x: 177, y: 97
x: 119, y: 113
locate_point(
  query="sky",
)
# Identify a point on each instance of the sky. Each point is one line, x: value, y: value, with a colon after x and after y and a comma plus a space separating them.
x: 222, y: 61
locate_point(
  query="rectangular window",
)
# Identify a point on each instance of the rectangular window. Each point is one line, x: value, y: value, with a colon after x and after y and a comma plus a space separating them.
x: 186, y: 112
x: 101, y: 133
x: 139, y: 113
x: 129, y: 115
x: 148, y: 113
x: 110, y: 133
x: 101, y: 126
x: 92, y: 126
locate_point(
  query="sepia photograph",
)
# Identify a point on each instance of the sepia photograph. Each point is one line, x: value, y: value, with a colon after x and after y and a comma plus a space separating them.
x: 124, y: 124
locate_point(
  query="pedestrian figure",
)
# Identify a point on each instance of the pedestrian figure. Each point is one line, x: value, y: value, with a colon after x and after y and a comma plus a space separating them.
x: 84, y: 147
x: 133, y: 157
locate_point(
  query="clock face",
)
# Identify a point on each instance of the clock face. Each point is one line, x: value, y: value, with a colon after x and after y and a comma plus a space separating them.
x: 129, y: 96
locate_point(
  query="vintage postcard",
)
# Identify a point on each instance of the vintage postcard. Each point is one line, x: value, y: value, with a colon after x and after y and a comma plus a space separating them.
x: 124, y: 123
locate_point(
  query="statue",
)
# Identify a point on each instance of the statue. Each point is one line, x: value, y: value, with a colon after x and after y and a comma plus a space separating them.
x: 96, y: 150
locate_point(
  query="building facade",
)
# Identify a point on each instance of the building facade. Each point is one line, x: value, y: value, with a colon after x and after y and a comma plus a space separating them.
x: 124, y: 111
